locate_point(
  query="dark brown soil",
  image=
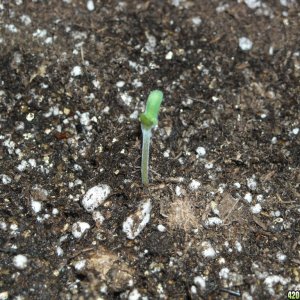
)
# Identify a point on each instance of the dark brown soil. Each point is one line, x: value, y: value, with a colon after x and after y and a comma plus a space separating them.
x: 72, y: 83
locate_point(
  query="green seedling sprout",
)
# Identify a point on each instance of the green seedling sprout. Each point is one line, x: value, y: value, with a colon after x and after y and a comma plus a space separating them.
x: 148, y: 121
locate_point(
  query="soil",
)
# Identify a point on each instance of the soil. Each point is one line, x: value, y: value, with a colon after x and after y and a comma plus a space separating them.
x: 224, y: 197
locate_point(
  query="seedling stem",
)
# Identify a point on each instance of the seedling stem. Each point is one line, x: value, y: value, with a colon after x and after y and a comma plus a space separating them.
x: 145, y: 154
x: 149, y: 119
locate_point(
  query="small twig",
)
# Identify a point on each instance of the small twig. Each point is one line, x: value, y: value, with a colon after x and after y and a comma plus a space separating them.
x: 10, y: 250
x: 285, y: 202
x: 174, y: 180
x: 177, y: 156
x: 82, y: 54
x: 199, y: 100
x: 296, y: 261
x: 230, y: 292
x: 231, y: 210
x: 80, y: 252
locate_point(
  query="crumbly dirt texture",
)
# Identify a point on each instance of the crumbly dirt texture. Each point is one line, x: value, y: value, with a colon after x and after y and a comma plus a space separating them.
x: 223, y: 200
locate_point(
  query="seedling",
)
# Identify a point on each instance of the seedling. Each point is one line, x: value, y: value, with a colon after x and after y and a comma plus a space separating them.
x: 148, y: 121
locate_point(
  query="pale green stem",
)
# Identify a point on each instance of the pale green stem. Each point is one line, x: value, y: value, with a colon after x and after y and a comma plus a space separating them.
x: 145, y: 154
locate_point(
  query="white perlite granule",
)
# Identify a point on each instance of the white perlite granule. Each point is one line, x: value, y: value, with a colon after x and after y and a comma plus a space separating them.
x: 95, y: 196
x: 20, y: 261
x: 137, y: 221
x: 76, y: 71
x: 79, y: 228
x: 245, y: 44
